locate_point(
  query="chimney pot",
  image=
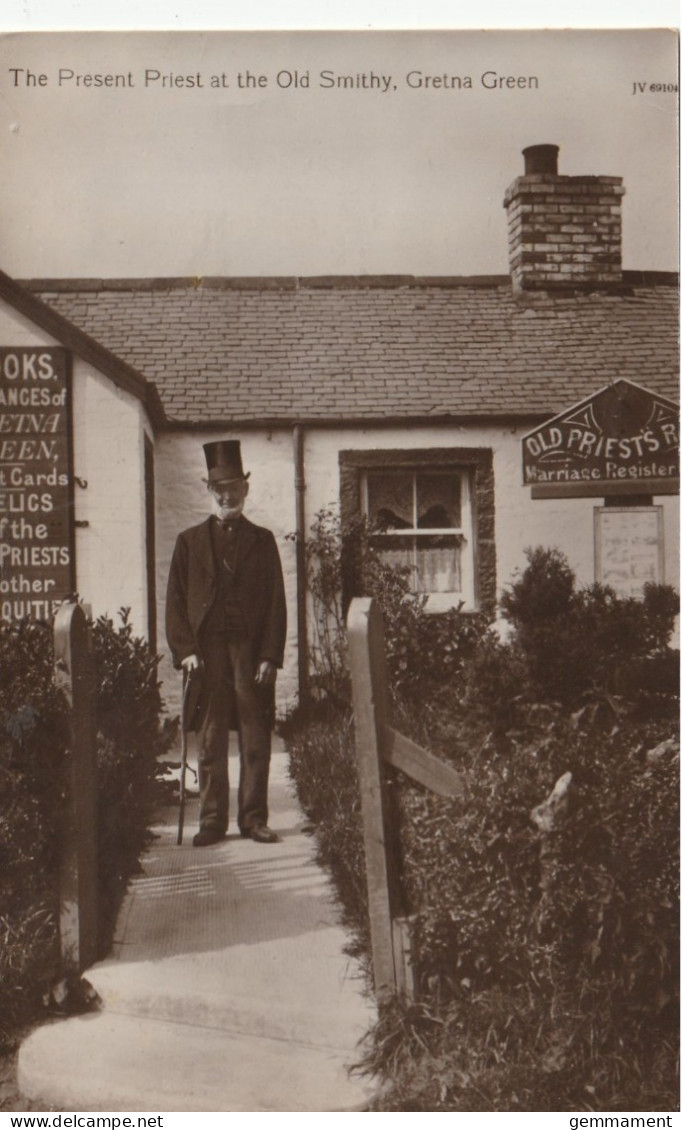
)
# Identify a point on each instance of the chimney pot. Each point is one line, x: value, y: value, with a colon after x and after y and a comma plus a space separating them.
x: 541, y: 159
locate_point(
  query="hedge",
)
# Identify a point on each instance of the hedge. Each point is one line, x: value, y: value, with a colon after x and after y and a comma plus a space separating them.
x: 544, y: 903
x: 132, y: 734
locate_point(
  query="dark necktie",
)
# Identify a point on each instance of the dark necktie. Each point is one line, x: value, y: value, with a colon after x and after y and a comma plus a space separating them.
x: 229, y: 538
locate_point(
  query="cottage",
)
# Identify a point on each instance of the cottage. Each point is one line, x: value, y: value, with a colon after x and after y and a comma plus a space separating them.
x: 468, y: 417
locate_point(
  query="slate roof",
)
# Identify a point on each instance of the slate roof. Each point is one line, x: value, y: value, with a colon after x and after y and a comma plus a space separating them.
x: 341, y: 349
x: 75, y: 339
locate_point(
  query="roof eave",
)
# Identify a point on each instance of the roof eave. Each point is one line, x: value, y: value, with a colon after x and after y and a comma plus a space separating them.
x: 287, y: 422
x: 122, y: 374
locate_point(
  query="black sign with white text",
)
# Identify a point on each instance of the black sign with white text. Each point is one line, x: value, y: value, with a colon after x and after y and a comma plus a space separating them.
x: 36, y: 527
x: 624, y: 436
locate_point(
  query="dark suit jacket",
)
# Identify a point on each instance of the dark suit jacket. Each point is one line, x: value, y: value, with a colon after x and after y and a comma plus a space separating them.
x: 259, y: 591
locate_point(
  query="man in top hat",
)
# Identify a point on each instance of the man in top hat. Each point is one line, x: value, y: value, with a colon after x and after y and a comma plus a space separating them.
x: 226, y: 626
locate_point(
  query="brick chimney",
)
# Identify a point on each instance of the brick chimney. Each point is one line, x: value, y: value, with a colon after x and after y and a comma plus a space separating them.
x: 563, y: 231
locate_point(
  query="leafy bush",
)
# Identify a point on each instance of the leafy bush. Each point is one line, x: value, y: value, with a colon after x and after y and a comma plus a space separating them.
x: 33, y: 736
x: 131, y: 741
x: 546, y: 934
x: 322, y: 763
x: 425, y: 654
x: 325, y: 583
x: 544, y: 903
x: 582, y: 641
x: 33, y: 741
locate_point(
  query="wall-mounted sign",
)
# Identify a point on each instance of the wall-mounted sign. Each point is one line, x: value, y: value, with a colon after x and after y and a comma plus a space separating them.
x: 36, y: 525
x: 628, y: 547
x: 622, y: 440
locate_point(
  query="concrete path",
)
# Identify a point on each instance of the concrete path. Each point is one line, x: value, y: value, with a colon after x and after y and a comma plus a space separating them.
x: 227, y: 988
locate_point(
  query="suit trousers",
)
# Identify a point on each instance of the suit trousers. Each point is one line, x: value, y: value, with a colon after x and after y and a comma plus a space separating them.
x: 229, y: 691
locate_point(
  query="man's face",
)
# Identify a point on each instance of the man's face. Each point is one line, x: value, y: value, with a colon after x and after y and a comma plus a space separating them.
x: 228, y: 496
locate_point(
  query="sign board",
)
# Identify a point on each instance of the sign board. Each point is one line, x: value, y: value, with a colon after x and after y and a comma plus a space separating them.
x: 36, y: 482
x: 629, y: 547
x: 622, y: 440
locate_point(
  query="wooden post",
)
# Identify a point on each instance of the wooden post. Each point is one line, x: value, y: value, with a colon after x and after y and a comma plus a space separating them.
x: 370, y: 705
x: 378, y: 745
x: 78, y: 867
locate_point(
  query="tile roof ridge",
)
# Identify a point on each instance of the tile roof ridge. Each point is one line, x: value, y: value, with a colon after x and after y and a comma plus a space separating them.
x: 313, y: 282
x: 262, y: 282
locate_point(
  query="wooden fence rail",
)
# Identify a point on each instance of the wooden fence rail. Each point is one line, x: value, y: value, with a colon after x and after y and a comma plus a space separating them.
x: 379, y: 745
x: 78, y: 861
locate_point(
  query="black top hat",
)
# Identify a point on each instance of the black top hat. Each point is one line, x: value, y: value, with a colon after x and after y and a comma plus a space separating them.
x: 224, y: 460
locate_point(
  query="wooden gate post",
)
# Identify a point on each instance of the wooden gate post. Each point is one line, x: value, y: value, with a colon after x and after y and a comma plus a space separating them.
x: 370, y: 705
x: 78, y: 865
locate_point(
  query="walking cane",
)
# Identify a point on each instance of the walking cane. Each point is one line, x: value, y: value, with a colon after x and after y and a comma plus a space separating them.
x: 187, y: 677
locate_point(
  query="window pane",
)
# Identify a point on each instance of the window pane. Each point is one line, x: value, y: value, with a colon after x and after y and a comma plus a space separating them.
x: 434, y: 562
x: 398, y: 553
x: 438, y: 501
x: 389, y: 500
x: 438, y: 565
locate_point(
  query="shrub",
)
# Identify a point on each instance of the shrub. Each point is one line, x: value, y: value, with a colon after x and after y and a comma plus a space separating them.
x: 33, y: 741
x: 545, y: 920
x: 329, y: 679
x: 425, y: 654
x: 546, y: 936
x: 323, y: 766
x: 33, y: 736
x: 544, y: 590
x: 131, y: 741
x: 582, y: 642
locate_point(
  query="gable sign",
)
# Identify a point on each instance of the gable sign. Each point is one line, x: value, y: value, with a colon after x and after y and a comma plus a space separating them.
x: 623, y: 439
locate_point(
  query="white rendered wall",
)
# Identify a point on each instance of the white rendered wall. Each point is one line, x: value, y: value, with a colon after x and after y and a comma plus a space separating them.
x: 111, y: 557
x: 520, y: 522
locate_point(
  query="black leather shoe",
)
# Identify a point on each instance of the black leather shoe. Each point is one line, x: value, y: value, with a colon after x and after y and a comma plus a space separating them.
x: 207, y: 837
x: 262, y: 834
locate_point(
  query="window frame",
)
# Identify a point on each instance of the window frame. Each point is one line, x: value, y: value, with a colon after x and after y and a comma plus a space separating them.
x: 437, y: 601
x: 475, y: 465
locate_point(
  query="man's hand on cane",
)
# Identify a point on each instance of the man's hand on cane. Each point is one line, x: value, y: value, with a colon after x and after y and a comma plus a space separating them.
x: 266, y: 673
x: 190, y: 664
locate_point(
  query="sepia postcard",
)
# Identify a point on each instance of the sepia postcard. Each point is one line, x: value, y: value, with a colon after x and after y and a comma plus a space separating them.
x: 419, y: 281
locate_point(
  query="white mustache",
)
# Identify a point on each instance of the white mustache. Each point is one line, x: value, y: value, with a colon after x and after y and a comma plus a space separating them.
x: 226, y: 511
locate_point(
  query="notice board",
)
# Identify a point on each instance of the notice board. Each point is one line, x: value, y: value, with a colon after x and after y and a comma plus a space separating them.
x: 629, y: 547
x: 36, y: 482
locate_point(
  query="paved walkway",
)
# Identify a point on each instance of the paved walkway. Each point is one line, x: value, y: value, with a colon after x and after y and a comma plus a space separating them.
x: 227, y: 988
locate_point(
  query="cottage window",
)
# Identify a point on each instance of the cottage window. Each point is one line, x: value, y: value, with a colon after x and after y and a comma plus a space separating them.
x: 422, y: 522
x: 432, y: 510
